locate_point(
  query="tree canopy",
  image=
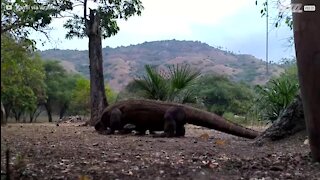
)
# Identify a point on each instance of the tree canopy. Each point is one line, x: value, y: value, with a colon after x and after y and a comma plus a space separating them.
x: 22, y: 78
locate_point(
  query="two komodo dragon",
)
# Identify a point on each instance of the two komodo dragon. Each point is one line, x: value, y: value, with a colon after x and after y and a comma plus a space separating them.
x: 164, y: 116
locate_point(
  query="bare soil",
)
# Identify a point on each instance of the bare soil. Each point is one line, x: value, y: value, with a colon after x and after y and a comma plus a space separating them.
x: 69, y: 151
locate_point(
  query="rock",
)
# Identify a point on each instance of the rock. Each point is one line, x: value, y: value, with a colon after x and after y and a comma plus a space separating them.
x: 276, y: 168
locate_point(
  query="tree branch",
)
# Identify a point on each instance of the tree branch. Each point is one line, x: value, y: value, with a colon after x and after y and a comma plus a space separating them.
x: 85, y: 17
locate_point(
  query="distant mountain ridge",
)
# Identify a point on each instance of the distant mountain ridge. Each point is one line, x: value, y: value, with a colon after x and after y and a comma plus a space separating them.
x: 122, y: 64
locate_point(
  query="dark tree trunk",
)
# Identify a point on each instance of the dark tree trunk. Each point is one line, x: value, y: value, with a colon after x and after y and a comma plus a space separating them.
x: 290, y: 122
x: 37, y: 113
x: 32, y: 114
x: 306, y: 26
x: 63, y: 110
x: 49, y: 111
x: 3, y: 115
x: 7, y: 109
x: 97, y: 91
x: 17, y: 115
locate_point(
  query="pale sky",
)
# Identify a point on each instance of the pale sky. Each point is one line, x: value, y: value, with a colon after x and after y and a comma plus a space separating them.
x: 234, y: 24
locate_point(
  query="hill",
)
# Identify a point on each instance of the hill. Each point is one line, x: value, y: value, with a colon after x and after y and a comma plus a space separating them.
x: 121, y: 64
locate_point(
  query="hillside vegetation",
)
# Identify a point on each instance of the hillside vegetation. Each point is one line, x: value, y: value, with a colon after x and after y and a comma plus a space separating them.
x: 122, y: 64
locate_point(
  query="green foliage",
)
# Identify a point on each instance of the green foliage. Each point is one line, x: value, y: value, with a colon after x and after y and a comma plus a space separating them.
x: 31, y: 14
x: 111, y: 95
x: 171, y: 85
x: 221, y: 95
x: 284, y: 15
x: 22, y: 77
x: 80, y: 97
x: 279, y: 92
x: 57, y: 83
x: 108, y: 12
x: 153, y: 84
x: 181, y: 78
x: 80, y: 103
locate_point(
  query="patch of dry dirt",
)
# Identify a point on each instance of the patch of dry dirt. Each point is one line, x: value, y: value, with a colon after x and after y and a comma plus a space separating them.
x: 69, y: 151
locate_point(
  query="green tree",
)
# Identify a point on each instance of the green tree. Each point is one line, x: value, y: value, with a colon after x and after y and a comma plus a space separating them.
x: 22, y: 78
x: 97, y: 24
x: 58, y: 91
x: 80, y: 103
x: 16, y: 24
x: 221, y: 95
x: 30, y: 15
x: 172, y: 84
x: 60, y: 88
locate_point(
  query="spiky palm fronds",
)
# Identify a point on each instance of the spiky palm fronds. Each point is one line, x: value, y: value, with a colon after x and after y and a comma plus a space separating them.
x: 170, y: 85
x: 275, y: 97
x: 181, y: 77
x: 152, y: 84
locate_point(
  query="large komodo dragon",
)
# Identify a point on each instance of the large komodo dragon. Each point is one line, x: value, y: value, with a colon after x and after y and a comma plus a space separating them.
x: 149, y: 115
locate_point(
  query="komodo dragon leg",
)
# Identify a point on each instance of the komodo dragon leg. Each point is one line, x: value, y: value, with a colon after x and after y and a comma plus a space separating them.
x: 174, y: 121
x: 115, y: 121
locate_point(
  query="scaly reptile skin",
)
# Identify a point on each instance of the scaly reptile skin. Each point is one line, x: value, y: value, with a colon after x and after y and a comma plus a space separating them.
x: 149, y: 115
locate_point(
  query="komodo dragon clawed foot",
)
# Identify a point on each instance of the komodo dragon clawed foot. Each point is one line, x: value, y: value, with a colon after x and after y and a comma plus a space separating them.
x: 174, y: 121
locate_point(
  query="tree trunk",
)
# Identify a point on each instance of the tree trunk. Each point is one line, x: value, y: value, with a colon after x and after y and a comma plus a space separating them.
x: 291, y: 121
x: 97, y: 91
x: 17, y: 115
x: 3, y: 115
x: 49, y: 112
x: 37, y: 113
x: 306, y: 26
x: 63, y: 110
x: 7, y: 110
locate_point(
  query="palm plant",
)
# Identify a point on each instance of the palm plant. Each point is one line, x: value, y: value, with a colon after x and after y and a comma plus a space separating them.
x: 153, y: 84
x: 275, y: 97
x: 170, y: 85
x: 181, y: 77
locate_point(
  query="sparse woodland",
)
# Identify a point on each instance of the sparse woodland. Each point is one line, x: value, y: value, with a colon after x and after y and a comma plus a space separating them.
x: 65, y: 146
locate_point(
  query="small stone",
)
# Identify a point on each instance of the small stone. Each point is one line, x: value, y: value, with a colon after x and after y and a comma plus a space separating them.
x: 95, y: 144
x: 257, y: 173
x: 276, y: 168
x: 298, y: 174
x: 287, y: 175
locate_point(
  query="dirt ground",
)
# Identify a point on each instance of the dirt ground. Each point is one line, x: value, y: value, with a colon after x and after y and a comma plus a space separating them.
x: 69, y: 151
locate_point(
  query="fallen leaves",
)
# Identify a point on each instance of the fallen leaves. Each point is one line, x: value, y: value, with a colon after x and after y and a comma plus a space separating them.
x: 220, y: 142
x: 204, y: 136
x: 67, y: 155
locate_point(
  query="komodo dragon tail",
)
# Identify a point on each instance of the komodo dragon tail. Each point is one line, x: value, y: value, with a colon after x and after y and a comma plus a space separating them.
x: 213, y: 121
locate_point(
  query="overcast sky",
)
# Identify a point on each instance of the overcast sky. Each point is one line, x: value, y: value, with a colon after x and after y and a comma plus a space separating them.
x: 233, y: 24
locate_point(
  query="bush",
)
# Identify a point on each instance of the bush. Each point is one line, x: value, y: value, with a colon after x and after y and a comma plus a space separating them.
x: 221, y: 95
x: 272, y: 99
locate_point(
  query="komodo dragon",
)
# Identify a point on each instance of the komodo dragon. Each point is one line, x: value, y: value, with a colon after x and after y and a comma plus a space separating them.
x: 149, y: 115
